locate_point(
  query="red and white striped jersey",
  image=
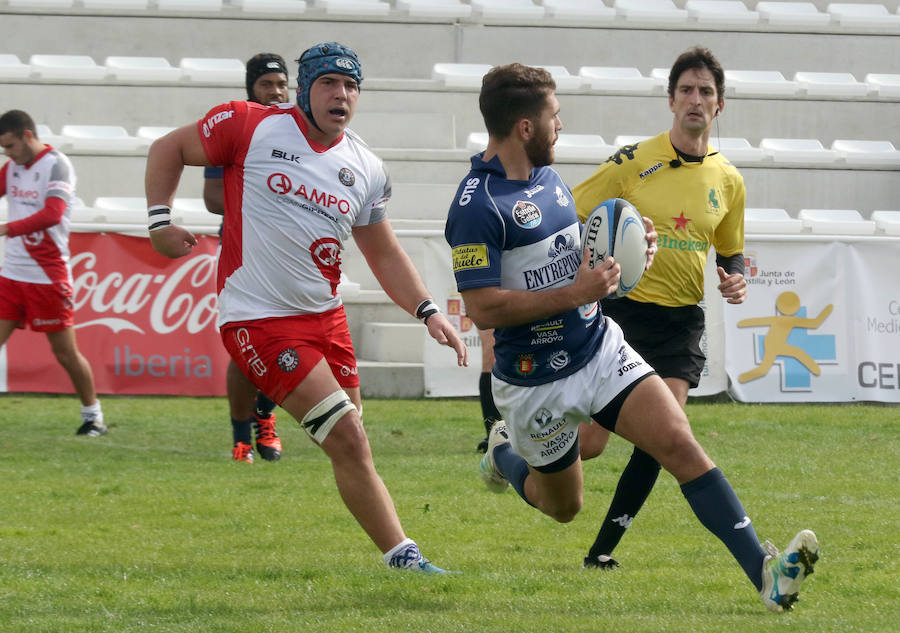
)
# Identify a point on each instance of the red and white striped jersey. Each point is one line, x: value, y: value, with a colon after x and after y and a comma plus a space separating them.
x: 41, y: 257
x: 290, y: 204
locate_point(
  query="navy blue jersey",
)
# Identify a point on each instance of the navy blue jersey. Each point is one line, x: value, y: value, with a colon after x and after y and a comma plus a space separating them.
x: 523, y: 235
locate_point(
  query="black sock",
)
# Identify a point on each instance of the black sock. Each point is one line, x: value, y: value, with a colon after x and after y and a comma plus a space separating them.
x: 513, y: 467
x: 715, y: 503
x: 241, y: 430
x: 264, y: 406
x: 635, y: 484
x: 488, y: 408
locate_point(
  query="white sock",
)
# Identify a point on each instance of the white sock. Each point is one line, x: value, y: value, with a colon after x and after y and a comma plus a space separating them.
x: 92, y: 413
x: 405, y: 559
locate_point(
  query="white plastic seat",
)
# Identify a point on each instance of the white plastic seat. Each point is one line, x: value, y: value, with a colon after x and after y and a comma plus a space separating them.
x: 798, y: 150
x: 46, y: 135
x: 884, y: 85
x: 874, y: 153
x: 617, y: 79
x: 657, y: 11
x: 121, y: 210
x: 588, y: 148
x: 759, y: 83
x: 830, y: 84
x: 836, y: 222
x: 212, y: 70
x: 593, y: 10
x: 103, y: 139
x: 81, y: 214
x: 460, y: 75
x: 738, y: 149
x: 66, y: 68
x: 190, y: 6
x: 887, y: 222
x: 41, y: 4
x: 721, y: 12
x: 116, y: 5
x: 661, y: 75
x: 435, y: 8
x: 150, y: 133
x: 477, y: 141
x: 776, y: 221
x: 625, y: 139
x: 11, y: 67
x: 354, y: 7
x: 874, y: 16
x: 145, y: 70
x: 564, y: 80
x: 802, y: 14
x: 283, y: 8
x: 193, y: 212
x: 507, y: 9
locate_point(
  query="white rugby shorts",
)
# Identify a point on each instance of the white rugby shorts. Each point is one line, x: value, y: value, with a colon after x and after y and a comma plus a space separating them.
x: 542, y: 420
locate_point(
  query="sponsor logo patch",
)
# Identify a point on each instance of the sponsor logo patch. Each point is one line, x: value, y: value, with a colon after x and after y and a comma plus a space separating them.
x: 470, y: 256
x: 288, y: 360
x: 526, y: 214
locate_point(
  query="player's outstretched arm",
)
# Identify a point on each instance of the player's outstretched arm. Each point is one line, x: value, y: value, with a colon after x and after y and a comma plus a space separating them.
x: 398, y: 277
x: 165, y: 162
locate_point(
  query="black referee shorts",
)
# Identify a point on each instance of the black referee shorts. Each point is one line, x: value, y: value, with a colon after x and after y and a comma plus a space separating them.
x: 667, y: 338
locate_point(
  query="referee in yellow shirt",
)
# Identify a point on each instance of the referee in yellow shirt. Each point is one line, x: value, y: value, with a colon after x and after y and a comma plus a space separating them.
x: 695, y: 198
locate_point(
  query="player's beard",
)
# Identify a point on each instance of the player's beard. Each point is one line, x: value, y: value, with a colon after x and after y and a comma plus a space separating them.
x: 539, y: 150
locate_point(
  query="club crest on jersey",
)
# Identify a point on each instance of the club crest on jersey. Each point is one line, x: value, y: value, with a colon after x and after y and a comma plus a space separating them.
x: 525, y: 364
x: 559, y: 359
x: 346, y: 177
x: 561, y: 198
x: 288, y: 360
x: 526, y: 214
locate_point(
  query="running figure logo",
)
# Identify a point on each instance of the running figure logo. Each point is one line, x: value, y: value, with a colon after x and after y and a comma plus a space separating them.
x: 793, y: 348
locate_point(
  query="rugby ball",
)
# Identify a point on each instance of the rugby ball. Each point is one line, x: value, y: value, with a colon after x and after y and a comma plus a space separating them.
x: 615, y: 228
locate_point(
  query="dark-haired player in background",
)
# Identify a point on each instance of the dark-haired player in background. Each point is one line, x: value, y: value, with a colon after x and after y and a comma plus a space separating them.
x: 695, y: 198
x: 36, y: 280
x: 267, y: 83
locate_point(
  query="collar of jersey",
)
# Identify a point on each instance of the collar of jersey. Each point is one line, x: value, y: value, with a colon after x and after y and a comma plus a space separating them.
x: 316, y: 147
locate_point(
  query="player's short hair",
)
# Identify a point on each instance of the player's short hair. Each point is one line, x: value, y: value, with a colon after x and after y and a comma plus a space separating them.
x: 263, y: 64
x: 697, y: 57
x: 17, y: 121
x: 511, y: 93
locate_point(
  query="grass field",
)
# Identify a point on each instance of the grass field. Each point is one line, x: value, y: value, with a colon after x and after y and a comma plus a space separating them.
x: 154, y: 528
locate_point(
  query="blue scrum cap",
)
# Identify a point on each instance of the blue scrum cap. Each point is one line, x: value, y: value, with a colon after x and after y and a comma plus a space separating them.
x: 323, y: 59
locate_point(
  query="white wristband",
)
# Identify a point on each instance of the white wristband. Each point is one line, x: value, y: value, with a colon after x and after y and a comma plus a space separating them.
x: 159, y: 216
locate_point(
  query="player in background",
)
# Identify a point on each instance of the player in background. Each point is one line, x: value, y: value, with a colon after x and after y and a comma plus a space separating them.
x: 266, y: 80
x: 298, y: 183
x: 695, y: 198
x: 518, y: 264
x: 489, y: 412
x: 35, y: 279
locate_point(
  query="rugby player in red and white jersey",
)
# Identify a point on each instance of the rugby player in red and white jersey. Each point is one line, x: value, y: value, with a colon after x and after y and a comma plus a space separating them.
x: 35, y: 278
x: 297, y: 185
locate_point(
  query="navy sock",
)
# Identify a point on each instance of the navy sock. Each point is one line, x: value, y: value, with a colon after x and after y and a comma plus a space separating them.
x: 488, y: 408
x: 715, y: 503
x: 241, y: 430
x: 513, y: 467
x: 264, y: 406
x: 635, y: 484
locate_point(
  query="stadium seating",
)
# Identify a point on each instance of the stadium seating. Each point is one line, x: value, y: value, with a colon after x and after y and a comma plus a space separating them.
x: 887, y: 222
x: 11, y: 67
x: 434, y: 8
x: 884, y: 85
x: 836, y: 222
x: 506, y: 10
x: 864, y: 15
x: 771, y: 221
x: 721, y: 13
x: 102, y: 139
x: 807, y: 151
x: 759, y: 83
x: 593, y: 11
x: 867, y: 153
x: 618, y: 79
x: 206, y: 70
x: 792, y: 14
x: 655, y: 11
x: 151, y: 70
x: 830, y: 84
x: 281, y: 8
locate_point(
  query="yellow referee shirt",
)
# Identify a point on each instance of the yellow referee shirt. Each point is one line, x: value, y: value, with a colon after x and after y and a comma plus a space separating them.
x: 693, y: 206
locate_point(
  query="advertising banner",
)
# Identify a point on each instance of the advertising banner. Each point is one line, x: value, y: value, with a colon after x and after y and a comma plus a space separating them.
x: 145, y: 323
x: 821, y: 323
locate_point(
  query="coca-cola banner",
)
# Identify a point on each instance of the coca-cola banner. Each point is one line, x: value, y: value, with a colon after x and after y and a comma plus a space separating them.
x: 145, y: 323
